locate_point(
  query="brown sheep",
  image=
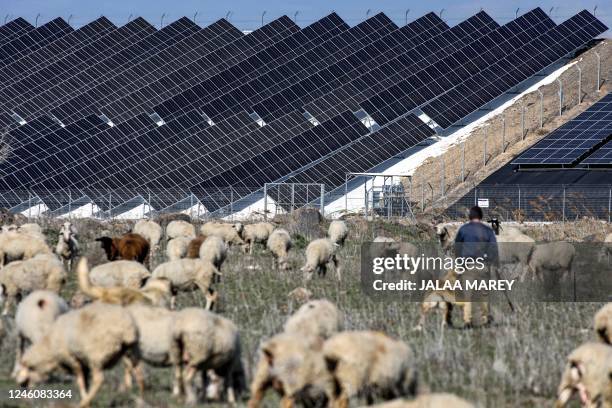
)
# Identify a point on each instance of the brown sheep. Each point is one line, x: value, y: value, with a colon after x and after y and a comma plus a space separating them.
x: 193, y: 250
x: 129, y: 247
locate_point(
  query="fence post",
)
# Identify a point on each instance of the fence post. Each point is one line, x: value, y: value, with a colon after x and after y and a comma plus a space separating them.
x: 231, y: 201
x: 442, y: 181
x: 265, y: 201
x: 191, y: 205
x: 560, y: 97
x: 69, y: 204
x: 475, y: 195
x: 563, y: 203
x: 323, y: 200
x: 541, y: 108
x: 29, y: 204
x: 579, y: 84
x: 149, y: 202
x: 346, y: 193
x: 110, y: 204
x: 519, y: 198
x: 484, y: 149
x: 609, y: 202
x: 522, y: 122
x: 422, y: 197
x: 598, y: 70
x: 292, y: 196
x: 504, y: 129
x: 463, y: 162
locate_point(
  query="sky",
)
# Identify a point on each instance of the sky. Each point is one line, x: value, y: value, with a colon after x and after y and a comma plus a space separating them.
x: 247, y: 15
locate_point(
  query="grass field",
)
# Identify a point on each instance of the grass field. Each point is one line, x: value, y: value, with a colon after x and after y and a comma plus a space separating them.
x: 514, y: 363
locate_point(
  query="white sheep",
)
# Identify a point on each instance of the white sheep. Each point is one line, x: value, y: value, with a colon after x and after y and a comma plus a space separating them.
x: 437, y: 400
x: 603, y: 323
x: 44, y: 271
x: 67, y: 246
x: 337, y: 232
x: 294, y: 366
x: 255, y: 233
x: 587, y: 372
x: 446, y: 235
x: 18, y: 246
x: 515, y: 248
x: 213, y: 348
x: 127, y: 274
x: 180, y: 228
x: 279, y: 243
x: 188, y: 274
x: 9, y: 228
x: 227, y: 232
x: 86, y: 340
x: 554, y: 257
x: 177, y: 248
x: 319, y: 253
x: 370, y: 364
x: 151, y: 231
x: 319, y: 318
x: 35, y: 315
x: 32, y: 229
x: 213, y: 250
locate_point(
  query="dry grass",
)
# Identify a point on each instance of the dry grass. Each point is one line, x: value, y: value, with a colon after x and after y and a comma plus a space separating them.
x: 515, y: 363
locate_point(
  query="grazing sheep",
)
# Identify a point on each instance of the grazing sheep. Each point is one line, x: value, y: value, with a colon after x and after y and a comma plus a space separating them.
x: 294, y: 367
x: 438, y: 400
x: 188, y: 274
x: 369, y: 364
x: 128, y: 247
x: 337, y: 232
x: 255, y: 233
x: 319, y: 318
x: 177, y: 248
x: 319, y: 253
x: 588, y: 372
x: 35, y: 315
x: 279, y: 243
x: 446, y: 235
x: 127, y: 274
x: 31, y: 229
x: 213, y: 250
x: 554, y: 257
x: 155, y: 292
x: 67, y: 246
x: 603, y: 323
x: 180, y: 228
x: 193, y: 250
x: 44, y: 271
x: 214, y: 347
x: 86, y: 340
x: 515, y: 249
x: 150, y: 230
x: 300, y: 294
x: 16, y: 246
x: 227, y: 232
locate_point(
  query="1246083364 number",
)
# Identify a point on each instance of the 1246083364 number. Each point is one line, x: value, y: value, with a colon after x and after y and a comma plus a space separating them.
x: 40, y: 394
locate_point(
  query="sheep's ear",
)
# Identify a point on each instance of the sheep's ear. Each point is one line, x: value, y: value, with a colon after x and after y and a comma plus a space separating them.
x: 41, y: 303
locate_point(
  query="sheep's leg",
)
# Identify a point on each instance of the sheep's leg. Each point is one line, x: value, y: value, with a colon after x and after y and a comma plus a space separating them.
x: 8, y: 303
x: 188, y: 385
x: 77, y: 369
x: 261, y: 382
x: 287, y: 402
x: 448, y: 315
x: 467, y: 314
x: 18, y: 354
x: 337, y: 267
x: 127, y: 375
x: 97, y: 378
x: 177, y: 382
x: 173, y: 302
x: 251, y: 245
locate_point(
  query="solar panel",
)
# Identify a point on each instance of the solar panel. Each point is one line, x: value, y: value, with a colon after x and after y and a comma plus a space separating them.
x: 512, y: 68
x: 13, y: 29
x: 575, y: 139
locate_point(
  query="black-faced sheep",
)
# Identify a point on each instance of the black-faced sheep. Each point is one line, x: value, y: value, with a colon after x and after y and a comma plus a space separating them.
x: 227, y: 232
x: 255, y: 233
x: 187, y: 275
x: 213, y: 347
x: 320, y: 318
x: 177, y: 248
x: 293, y: 365
x: 369, y: 364
x: 180, y: 228
x: 337, y: 232
x: 319, y: 253
x: 128, y: 247
x: 603, y: 323
x: 86, y: 340
x: 19, y: 278
x: 34, y: 317
x: 67, y: 246
x: 279, y: 243
x: 18, y: 246
x: 588, y: 372
x: 213, y: 250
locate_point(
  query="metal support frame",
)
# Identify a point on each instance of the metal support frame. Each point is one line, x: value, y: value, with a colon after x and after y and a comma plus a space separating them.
x: 541, y: 108
x: 522, y: 122
x: 579, y: 84
x: 560, y: 97
x: 598, y: 71
x: 463, y: 162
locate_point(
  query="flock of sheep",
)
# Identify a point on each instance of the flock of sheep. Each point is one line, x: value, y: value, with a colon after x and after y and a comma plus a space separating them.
x: 125, y: 312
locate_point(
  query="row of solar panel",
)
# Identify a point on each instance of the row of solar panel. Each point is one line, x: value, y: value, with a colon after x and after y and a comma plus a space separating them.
x: 336, y: 71
x: 586, y: 139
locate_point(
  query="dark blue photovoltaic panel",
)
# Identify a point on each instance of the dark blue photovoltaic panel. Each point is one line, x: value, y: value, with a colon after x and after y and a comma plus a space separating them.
x: 601, y: 156
x: 13, y: 29
x: 577, y: 138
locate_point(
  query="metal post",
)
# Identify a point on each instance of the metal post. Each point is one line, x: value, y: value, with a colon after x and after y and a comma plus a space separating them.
x: 422, y: 197
x: 265, y: 192
x: 405, y: 17
x: 110, y: 204
x: 484, y: 148
x: 462, y: 162
x: 443, y: 175
x: 598, y: 69
x: 149, y: 202
x: 190, y: 205
x: 560, y: 97
x: 504, y: 131
x: 609, y: 202
x: 322, y: 200
x: 563, y: 203
x: 579, y: 84
x: 541, y: 109
x: 475, y: 195
x: 365, y: 196
x: 346, y: 193
x: 292, y: 196
x: 522, y: 122
x: 231, y: 200
x: 262, y: 17
x: 161, y: 22
x: 519, y: 198
x: 69, y: 204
